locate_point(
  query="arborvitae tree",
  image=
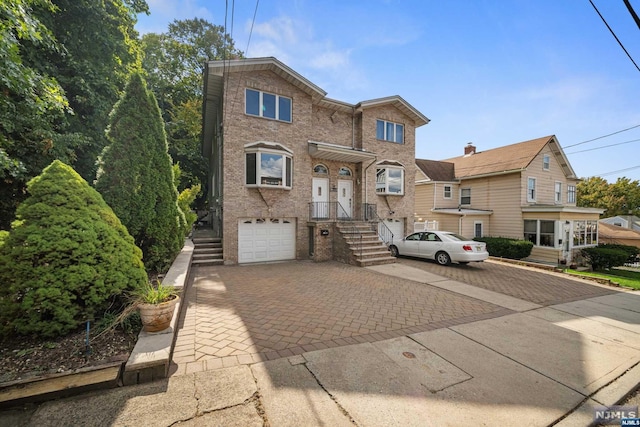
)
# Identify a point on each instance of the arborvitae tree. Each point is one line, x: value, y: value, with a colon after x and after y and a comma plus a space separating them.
x: 136, y: 179
x: 67, y: 258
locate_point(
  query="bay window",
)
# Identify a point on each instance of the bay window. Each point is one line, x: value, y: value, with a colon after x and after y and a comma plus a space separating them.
x: 268, y: 165
x: 389, y: 180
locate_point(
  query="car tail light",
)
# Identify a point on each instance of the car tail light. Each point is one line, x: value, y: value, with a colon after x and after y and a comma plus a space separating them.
x: 467, y: 248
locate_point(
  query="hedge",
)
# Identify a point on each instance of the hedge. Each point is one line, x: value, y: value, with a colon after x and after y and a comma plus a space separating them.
x: 504, y: 247
x: 604, y: 258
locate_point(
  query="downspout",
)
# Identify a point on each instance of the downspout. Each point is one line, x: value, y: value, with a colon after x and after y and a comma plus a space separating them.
x: 353, y: 128
x: 435, y: 191
x: 460, y: 224
x: 365, y: 179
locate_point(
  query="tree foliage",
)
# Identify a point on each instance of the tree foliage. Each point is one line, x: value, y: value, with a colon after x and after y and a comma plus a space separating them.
x: 136, y: 177
x: 66, y: 259
x: 174, y: 63
x: 619, y: 198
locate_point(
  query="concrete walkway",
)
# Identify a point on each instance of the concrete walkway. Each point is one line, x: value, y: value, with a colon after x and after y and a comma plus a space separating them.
x: 481, y: 358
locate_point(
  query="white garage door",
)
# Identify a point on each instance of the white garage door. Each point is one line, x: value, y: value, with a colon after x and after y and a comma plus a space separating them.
x: 271, y: 239
x: 396, y: 226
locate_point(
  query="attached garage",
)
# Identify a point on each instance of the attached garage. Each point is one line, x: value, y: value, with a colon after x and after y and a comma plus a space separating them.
x: 396, y: 226
x: 270, y: 239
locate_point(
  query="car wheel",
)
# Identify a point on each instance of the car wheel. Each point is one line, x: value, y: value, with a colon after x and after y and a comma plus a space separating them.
x: 394, y: 251
x: 443, y: 258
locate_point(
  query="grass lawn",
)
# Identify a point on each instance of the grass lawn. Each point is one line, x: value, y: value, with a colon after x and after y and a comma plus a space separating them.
x: 626, y: 278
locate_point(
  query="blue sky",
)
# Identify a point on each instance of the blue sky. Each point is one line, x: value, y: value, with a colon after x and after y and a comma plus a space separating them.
x: 491, y: 72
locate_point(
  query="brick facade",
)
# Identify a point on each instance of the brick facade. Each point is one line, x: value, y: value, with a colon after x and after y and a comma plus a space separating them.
x: 314, y: 118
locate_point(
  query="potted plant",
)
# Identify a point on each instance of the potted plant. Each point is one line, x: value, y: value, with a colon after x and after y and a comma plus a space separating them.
x: 156, y: 304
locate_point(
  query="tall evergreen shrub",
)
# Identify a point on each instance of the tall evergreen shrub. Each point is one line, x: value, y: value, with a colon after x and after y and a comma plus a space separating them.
x: 136, y: 179
x: 67, y: 258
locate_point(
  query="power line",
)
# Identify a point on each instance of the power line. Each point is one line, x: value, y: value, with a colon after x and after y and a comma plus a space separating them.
x: 618, y: 171
x: 604, y: 146
x: 603, y: 136
x: 632, y: 12
x: 614, y: 35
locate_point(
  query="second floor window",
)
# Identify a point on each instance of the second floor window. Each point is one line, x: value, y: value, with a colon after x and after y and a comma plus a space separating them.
x: 465, y: 196
x: 571, y: 194
x: 390, y: 180
x: 546, y: 162
x: 389, y: 131
x: 531, y: 190
x: 558, y: 192
x: 267, y: 167
x: 267, y: 105
x: 447, y: 192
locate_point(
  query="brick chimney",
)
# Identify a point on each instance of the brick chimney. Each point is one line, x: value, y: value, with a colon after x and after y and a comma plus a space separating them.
x: 469, y: 149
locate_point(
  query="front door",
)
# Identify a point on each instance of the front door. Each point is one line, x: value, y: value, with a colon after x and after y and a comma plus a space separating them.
x: 345, y: 197
x: 320, y: 197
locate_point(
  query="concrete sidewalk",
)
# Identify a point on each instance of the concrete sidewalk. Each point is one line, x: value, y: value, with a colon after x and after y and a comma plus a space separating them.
x: 531, y: 367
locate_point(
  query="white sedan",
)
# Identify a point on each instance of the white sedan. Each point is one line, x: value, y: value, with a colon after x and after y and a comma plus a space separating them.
x: 441, y: 246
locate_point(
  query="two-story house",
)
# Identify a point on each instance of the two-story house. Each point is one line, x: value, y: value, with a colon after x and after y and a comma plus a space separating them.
x: 525, y: 191
x: 291, y: 169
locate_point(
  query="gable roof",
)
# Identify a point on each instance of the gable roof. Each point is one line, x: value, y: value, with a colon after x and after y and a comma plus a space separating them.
x: 436, y: 171
x: 616, y: 232
x: 398, y: 102
x: 509, y: 158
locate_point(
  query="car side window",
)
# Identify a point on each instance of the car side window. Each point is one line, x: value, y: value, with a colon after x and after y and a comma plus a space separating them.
x: 432, y: 237
x: 414, y: 236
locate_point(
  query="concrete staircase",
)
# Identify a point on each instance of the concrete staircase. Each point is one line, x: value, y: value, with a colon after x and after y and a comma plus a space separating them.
x: 207, y: 250
x: 364, y: 245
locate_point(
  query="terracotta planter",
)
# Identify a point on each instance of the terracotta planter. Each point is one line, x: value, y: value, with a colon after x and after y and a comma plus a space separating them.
x: 157, y: 317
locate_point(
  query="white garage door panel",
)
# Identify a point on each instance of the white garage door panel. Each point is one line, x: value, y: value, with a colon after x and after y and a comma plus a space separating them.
x: 396, y: 226
x: 266, y: 240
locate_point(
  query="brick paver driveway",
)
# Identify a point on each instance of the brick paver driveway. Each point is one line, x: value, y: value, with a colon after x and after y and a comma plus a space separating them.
x: 243, y: 314
x: 532, y: 285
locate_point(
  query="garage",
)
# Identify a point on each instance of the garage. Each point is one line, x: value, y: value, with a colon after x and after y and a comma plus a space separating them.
x: 396, y: 226
x: 270, y: 239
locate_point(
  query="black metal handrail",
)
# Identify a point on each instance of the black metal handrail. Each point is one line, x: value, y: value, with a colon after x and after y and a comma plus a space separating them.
x: 371, y: 215
x: 328, y: 211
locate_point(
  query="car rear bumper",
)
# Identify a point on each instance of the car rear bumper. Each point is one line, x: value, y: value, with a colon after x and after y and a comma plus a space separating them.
x: 470, y: 257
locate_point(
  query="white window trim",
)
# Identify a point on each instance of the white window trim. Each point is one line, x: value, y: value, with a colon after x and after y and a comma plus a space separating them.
x: 529, y: 198
x: 546, y: 162
x: 556, y: 233
x: 557, y: 195
x: 260, y: 102
x: 385, y: 137
x: 571, y: 193
x: 476, y: 223
x: 461, y: 191
x: 444, y: 191
x: 272, y: 148
x: 382, y: 165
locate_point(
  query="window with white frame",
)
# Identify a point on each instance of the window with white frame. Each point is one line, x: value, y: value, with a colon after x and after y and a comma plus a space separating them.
x: 546, y: 162
x: 344, y: 171
x: 465, y: 196
x: 389, y: 131
x: 267, y: 105
x: 477, y: 229
x: 571, y: 194
x: 320, y: 169
x: 389, y: 180
x: 446, y: 192
x: 558, y: 192
x: 531, y: 190
x: 268, y: 165
x: 585, y: 233
x: 540, y: 232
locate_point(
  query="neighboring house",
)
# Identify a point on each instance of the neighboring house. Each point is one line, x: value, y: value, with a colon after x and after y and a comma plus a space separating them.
x: 630, y: 222
x: 289, y: 165
x: 525, y: 191
x: 616, y: 234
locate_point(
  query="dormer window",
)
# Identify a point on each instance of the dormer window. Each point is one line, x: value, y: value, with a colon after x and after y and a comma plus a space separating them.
x: 267, y: 105
x: 389, y: 131
x: 268, y: 165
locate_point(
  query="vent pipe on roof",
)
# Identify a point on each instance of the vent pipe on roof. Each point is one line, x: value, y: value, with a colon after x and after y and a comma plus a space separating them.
x: 469, y: 149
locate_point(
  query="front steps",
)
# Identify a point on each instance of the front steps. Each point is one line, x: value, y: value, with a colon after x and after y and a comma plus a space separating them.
x: 365, y: 247
x: 207, y: 251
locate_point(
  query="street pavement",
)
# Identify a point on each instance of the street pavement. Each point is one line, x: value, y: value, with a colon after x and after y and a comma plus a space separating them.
x: 330, y: 344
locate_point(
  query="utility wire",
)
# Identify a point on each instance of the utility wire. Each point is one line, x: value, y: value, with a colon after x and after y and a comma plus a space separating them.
x: 618, y: 171
x: 632, y: 12
x: 604, y: 146
x: 614, y: 35
x: 603, y: 136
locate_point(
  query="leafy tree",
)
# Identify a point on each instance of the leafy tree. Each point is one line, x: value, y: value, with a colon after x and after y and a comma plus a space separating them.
x: 174, y: 63
x: 619, y: 198
x: 66, y: 259
x: 136, y: 177
x: 30, y: 101
x: 186, y: 199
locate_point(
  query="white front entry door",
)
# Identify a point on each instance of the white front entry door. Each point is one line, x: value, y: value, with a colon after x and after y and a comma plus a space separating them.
x: 320, y: 197
x: 345, y: 197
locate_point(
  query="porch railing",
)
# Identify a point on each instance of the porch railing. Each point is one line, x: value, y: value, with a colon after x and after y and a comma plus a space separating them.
x: 329, y: 211
x: 371, y: 214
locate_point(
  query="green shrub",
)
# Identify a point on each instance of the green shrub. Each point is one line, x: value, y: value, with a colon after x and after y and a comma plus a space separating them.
x: 504, y: 247
x: 631, y: 251
x: 3, y: 236
x: 603, y: 258
x: 135, y: 176
x: 185, y: 201
x: 67, y: 259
